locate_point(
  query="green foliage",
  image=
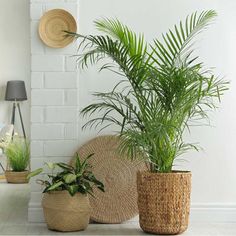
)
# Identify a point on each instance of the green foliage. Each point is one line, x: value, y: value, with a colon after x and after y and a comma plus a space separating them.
x: 78, y: 179
x: 165, y: 91
x: 18, y: 154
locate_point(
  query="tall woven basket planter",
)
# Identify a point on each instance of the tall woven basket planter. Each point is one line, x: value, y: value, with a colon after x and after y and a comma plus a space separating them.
x: 65, y: 213
x: 164, y: 201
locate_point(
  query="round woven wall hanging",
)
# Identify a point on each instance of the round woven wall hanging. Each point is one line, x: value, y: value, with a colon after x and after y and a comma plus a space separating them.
x: 52, y: 27
x: 119, y: 202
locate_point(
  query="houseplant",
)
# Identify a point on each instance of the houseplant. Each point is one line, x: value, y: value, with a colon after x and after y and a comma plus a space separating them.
x: 65, y: 202
x: 165, y: 90
x: 18, y: 158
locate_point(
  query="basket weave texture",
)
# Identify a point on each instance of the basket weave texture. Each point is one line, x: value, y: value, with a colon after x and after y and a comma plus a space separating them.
x: 65, y: 213
x: 53, y: 25
x: 119, y: 201
x: 16, y: 177
x: 164, y: 201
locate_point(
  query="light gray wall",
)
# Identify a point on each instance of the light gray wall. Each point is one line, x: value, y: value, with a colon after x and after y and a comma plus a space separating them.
x: 14, y: 53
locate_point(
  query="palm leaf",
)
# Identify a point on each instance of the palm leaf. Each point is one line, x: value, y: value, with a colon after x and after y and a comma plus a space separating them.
x: 177, y: 46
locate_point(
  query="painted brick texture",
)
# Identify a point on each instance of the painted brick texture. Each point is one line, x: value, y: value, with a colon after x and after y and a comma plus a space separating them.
x: 54, y: 99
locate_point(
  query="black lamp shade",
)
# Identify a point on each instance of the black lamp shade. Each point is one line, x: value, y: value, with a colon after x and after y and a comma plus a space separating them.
x: 15, y: 91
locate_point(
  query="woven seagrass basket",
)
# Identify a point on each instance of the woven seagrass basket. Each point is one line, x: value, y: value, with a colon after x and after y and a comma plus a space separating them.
x: 65, y: 213
x: 119, y: 201
x: 16, y: 177
x: 164, y: 201
x: 52, y: 27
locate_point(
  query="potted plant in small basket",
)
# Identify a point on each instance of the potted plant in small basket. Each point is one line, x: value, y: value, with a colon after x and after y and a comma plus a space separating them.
x: 65, y: 202
x: 18, y: 159
x: 163, y: 91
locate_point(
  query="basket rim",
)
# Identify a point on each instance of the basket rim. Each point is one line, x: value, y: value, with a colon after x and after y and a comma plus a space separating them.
x: 64, y: 192
x: 12, y: 171
x: 173, y: 172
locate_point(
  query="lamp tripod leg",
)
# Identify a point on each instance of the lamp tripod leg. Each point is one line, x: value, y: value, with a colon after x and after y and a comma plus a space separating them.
x: 2, y: 167
x: 13, y: 117
x: 21, y: 120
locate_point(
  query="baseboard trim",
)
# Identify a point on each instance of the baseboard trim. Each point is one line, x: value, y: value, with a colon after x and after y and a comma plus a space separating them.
x: 212, y: 212
x: 199, y: 213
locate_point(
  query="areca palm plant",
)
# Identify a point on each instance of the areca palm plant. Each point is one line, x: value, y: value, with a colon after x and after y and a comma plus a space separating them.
x: 163, y: 91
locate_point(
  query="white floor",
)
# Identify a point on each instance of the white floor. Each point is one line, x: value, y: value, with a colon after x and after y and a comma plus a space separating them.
x: 13, y: 220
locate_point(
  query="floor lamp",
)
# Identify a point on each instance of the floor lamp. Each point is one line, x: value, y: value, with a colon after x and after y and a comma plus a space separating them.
x: 16, y: 92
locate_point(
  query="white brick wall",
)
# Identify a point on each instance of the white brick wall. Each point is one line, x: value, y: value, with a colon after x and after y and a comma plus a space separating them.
x: 45, y: 1
x: 47, y: 62
x: 60, y: 80
x: 37, y: 80
x: 36, y: 11
x: 70, y: 97
x: 37, y: 114
x: 70, y: 7
x: 60, y: 114
x: 47, y: 131
x: 70, y: 131
x: 62, y: 148
x: 37, y: 148
x: 47, y: 97
x: 54, y: 99
x: 70, y: 63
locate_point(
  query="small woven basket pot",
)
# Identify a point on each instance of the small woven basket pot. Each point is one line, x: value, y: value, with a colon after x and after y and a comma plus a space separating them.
x: 65, y: 213
x: 16, y: 177
x: 164, y: 201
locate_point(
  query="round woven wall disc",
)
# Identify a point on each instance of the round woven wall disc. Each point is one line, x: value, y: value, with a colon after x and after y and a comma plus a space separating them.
x: 119, y: 202
x: 52, y: 26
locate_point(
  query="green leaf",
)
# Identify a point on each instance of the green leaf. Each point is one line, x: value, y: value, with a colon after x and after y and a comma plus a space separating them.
x: 64, y: 166
x: 72, y: 189
x: 34, y: 173
x: 50, y: 165
x: 77, y: 162
x: 69, y: 178
x: 55, y: 186
x: 85, y: 162
x: 101, y: 187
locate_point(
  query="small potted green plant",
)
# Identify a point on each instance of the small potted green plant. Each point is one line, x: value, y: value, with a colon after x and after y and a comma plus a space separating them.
x: 65, y: 201
x: 18, y: 158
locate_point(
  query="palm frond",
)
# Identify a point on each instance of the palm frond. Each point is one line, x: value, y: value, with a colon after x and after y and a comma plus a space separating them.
x: 168, y: 88
x: 177, y: 46
x: 135, y: 43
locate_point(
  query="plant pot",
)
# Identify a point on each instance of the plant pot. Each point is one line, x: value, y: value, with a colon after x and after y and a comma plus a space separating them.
x: 65, y: 213
x: 164, y: 201
x: 16, y: 177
